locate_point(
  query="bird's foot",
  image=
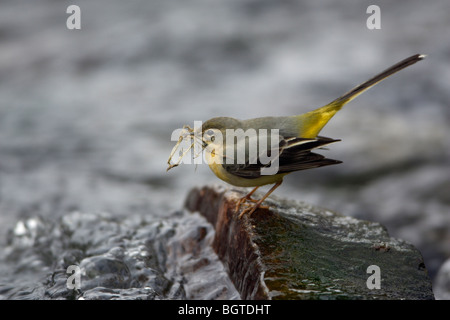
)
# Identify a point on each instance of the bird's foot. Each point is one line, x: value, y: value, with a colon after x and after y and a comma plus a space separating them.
x: 250, y: 207
x: 243, y: 200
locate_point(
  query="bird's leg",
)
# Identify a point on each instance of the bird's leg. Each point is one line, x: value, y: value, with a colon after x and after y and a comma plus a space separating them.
x: 249, y: 211
x: 246, y: 198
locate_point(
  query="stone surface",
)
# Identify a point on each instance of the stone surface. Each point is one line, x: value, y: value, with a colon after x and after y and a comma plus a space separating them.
x: 296, y: 251
x: 118, y: 258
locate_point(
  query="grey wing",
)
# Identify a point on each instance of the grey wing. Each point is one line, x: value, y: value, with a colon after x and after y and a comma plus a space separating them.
x: 294, y: 154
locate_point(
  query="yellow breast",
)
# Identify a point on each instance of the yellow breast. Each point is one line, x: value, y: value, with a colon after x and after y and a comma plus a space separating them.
x: 221, y: 173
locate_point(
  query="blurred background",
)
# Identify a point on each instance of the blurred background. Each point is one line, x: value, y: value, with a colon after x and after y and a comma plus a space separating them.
x: 86, y: 115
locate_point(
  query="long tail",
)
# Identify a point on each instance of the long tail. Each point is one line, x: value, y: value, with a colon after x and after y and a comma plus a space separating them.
x: 312, y: 122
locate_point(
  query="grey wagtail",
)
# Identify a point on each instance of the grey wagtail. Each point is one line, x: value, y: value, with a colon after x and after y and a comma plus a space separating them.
x: 296, y: 137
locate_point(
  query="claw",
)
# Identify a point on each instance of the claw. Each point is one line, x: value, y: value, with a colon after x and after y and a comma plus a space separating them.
x: 258, y: 203
x: 250, y: 209
x: 243, y: 200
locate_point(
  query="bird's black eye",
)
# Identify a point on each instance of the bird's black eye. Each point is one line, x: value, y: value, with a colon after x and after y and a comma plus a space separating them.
x: 210, y: 135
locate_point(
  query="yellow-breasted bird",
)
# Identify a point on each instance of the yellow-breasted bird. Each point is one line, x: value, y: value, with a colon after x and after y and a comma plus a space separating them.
x: 297, y: 136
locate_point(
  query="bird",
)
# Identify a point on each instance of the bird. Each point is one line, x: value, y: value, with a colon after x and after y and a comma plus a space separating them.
x: 290, y: 148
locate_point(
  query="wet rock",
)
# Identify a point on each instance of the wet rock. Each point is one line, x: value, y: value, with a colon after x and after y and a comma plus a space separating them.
x: 127, y: 258
x: 296, y: 251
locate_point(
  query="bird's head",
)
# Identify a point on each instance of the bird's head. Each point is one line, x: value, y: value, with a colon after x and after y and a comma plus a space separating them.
x: 215, y: 129
x: 212, y: 132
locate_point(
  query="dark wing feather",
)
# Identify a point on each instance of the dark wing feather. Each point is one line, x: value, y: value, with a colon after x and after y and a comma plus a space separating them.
x: 294, y: 155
